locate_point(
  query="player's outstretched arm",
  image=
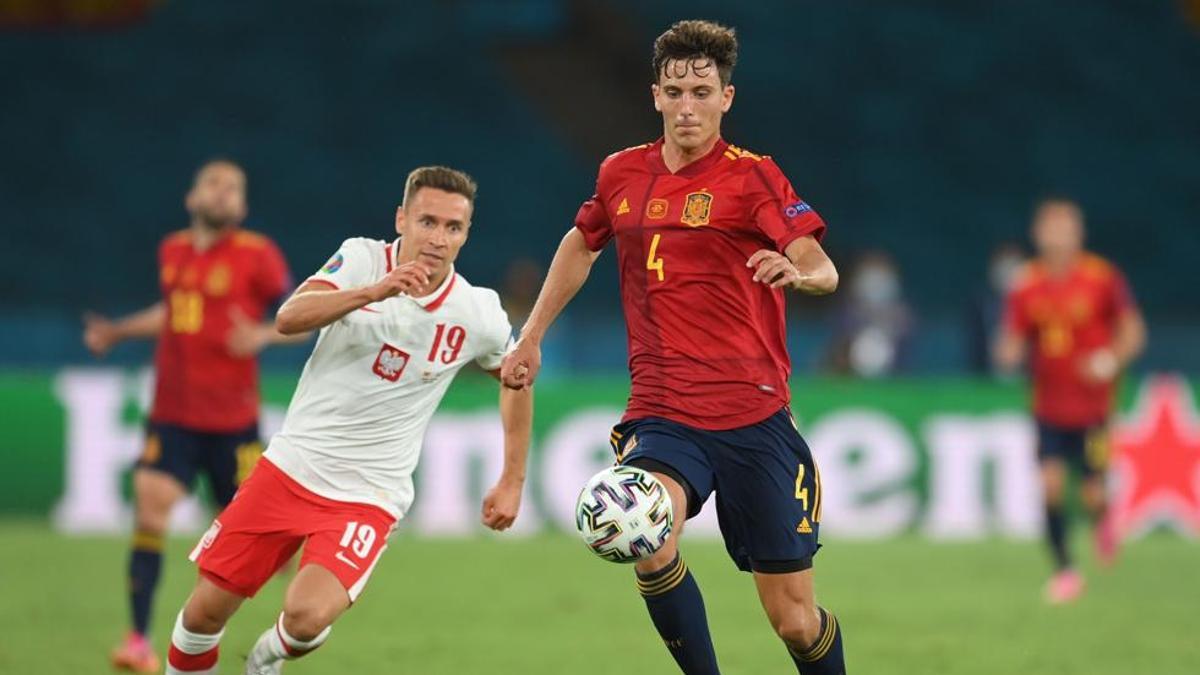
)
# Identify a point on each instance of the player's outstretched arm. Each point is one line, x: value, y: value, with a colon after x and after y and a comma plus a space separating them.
x: 804, y: 267
x: 316, y: 304
x: 101, y: 334
x: 503, y: 501
x: 570, y: 268
x: 248, y: 337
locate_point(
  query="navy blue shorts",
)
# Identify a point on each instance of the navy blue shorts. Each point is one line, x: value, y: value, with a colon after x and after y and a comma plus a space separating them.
x: 768, y: 489
x: 225, y: 458
x: 1084, y: 449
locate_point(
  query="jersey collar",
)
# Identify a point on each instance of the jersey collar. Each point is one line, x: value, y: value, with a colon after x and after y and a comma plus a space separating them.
x: 655, y: 159
x: 435, y: 299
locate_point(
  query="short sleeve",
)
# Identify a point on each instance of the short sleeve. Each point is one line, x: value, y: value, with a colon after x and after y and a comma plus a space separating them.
x: 497, y: 335
x: 592, y: 218
x: 776, y: 209
x: 350, y: 267
x: 272, y: 277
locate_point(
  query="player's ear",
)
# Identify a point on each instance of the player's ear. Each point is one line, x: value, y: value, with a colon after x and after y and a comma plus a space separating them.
x: 654, y: 94
x: 400, y: 219
x: 727, y: 98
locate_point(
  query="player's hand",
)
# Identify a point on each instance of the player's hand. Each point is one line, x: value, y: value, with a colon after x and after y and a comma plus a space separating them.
x: 1100, y: 366
x: 403, y: 279
x: 773, y: 268
x: 99, y: 334
x: 246, y: 337
x: 500, y: 505
x: 521, y: 364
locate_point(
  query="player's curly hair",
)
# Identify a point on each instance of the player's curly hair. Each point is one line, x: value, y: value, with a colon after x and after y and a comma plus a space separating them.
x: 440, y: 178
x: 696, y: 39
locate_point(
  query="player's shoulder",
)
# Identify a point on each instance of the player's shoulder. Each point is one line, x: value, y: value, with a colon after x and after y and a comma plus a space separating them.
x: 631, y: 156
x: 1028, y: 276
x: 249, y: 239
x: 478, y: 301
x: 176, y: 239
x: 742, y: 156
x: 739, y: 161
x: 1097, y: 267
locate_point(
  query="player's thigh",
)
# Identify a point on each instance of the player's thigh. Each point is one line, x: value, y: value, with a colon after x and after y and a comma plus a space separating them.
x: 347, y: 540
x: 665, y: 448
x: 254, y: 536
x: 209, y: 607
x: 790, y: 603
x: 229, y: 459
x: 1097, y: 451
x: 679, y: 508
x: 164, y: 472
x: 768, y: 496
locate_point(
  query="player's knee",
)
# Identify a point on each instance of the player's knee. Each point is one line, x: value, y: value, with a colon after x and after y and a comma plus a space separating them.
x: 661, y: 558
x: 798, y: 628
x: 305, y: 622
x: 200, y: 618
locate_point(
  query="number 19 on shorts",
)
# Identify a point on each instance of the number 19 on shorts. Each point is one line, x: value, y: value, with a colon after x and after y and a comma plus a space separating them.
x: 359, y: 538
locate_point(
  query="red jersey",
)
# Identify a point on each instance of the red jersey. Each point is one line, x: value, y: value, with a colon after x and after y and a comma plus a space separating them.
x: 1068, y: 318
x: 199, y: 385
x: 707, y: 344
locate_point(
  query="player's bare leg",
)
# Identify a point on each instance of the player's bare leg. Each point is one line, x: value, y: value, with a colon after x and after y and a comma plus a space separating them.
x: 198, y: 629
x: 672, y: 596
x: 314, y: 600
x: 811, y: 633
x: 155, y: 493
x: 1066, y: 584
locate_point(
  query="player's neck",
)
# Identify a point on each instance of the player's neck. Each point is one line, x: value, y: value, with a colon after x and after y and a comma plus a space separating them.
x: 675, y: 157
x: 1060, y: 266
x: 204, y: 237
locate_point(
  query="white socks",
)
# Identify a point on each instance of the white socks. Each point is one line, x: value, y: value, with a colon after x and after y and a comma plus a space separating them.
x: 192, y: 652
x: 275, y: 644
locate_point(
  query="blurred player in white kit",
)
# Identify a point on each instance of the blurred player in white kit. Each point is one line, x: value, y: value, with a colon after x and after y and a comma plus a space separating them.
x: 397, y: 323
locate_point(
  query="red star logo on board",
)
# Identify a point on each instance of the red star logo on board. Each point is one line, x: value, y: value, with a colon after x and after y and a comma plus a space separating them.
x: 1157, y: 460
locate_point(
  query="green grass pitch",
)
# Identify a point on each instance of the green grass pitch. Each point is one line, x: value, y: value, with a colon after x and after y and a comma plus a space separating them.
x: 545, y: 605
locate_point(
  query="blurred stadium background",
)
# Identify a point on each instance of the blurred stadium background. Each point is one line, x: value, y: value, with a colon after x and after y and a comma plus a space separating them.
x: 923, y: 132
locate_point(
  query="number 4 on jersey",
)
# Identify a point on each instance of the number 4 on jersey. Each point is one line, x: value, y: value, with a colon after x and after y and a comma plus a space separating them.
x: 653, y: 262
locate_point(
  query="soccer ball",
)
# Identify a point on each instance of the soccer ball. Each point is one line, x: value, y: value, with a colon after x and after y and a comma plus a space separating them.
x: 624, y: 514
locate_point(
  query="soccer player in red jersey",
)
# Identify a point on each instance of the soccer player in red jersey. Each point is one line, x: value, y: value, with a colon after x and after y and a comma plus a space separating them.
x: 708, y: 238
x: 217, y: 281
x: 1074, y: 311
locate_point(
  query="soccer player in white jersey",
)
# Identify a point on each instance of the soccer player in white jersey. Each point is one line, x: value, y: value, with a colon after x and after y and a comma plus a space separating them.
x: 397, y: 323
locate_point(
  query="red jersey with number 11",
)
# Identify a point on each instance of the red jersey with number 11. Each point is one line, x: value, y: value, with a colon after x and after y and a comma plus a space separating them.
x: 707, y: 344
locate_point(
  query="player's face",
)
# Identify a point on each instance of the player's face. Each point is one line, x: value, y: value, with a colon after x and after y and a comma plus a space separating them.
x: 691, y: 99
x: 1058, y: 230
x: 433, y: 227
x: 218, y: 197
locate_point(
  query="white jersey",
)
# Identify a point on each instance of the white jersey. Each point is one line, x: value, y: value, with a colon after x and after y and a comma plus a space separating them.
x: 356, y: 423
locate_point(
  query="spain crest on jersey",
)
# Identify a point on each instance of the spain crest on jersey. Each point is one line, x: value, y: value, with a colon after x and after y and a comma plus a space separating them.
x: 697, y: 209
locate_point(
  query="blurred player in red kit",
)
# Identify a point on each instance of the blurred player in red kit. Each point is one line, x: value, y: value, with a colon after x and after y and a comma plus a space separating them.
x: 1072, y: 312
x: 708, y: 237
x: 218, y: 282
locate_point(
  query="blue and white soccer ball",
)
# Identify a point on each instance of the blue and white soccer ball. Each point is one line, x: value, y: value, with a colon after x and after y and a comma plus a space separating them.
x: 624, y: 514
